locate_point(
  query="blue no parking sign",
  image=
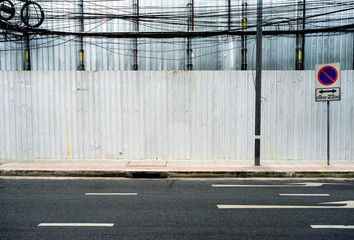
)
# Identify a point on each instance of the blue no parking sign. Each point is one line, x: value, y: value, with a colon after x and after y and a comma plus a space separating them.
x: 327, y: 75
x: 328, y: 82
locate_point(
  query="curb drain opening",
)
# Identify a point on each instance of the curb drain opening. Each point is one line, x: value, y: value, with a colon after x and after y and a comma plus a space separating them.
x: 148, y: 175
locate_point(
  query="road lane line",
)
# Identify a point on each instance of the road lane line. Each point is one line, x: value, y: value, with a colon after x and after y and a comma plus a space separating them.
x: 75, y: 225
x: 305, y: 184
x: 333, y: 226
x: 344, y: 204
x: 111, y: 194
x: 259, y: 186
x: 266, y: 206
x: 304, y: 195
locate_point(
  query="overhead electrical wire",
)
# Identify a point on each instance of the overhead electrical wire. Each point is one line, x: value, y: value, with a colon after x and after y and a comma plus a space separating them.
x: 202, y: 16
x: 108, y: 20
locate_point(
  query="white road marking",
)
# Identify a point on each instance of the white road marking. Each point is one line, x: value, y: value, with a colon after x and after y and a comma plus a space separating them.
x: 346, y: 204
x: 334, y: 226
x: 304, y: 195
x: 306, y: 184
x: 75, y: 225
x: 111, y: 194
x: 230, y: 185
x: 255, y: 186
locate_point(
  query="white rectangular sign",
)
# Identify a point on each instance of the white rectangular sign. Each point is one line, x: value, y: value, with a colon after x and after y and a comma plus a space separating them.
x: 328, y: 94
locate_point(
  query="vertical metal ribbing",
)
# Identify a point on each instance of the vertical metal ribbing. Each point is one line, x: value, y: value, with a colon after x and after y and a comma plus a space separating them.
x: 300, y: 38
x: 190, y: 23
x: 244, y: 37
x: 82, y: 29
x: 136, y: 30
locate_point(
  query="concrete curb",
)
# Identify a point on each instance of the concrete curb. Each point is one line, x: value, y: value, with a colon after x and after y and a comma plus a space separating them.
x: 177, y: 174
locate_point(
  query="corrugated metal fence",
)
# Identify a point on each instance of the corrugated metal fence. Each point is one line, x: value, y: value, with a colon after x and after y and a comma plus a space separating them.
x: 169, y: 115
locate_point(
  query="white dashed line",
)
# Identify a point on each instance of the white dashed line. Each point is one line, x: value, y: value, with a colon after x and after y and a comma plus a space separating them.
x: 304, y: 195
x: 344, y: 204
x: 305, y: 184
x: 111, y: 194
x: 75, y: 225
x: 333, y: 226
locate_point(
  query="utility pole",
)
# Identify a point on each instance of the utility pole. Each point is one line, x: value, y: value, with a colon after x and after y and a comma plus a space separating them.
x: 257, y: 138
x: 190, y: 23
x: 229, y: 14
x: 300, y: 38
x: 136, y: 30
x: 28, y: 52
x: 244, y: 37
x: 27, y: 44
x: 82, y: 29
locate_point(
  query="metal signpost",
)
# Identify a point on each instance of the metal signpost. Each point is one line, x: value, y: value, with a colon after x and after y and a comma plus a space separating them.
x: 328, y: 88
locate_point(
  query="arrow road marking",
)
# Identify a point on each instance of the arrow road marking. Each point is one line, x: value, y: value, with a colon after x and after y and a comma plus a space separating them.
x: 309, y: 184
x: 346, y: 204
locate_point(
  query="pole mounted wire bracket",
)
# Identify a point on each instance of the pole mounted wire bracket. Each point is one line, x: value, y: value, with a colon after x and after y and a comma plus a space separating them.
x: 31, y: 14
x: 26, y: 14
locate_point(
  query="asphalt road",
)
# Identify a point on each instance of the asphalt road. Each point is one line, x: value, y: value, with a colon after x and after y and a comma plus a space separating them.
x: 176, y: 209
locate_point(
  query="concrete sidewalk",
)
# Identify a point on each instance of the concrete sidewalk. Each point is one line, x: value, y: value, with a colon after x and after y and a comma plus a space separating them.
x: 175, y: 168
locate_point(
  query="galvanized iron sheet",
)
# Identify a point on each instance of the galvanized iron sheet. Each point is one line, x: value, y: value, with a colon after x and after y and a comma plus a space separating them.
x: 169, y: 115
